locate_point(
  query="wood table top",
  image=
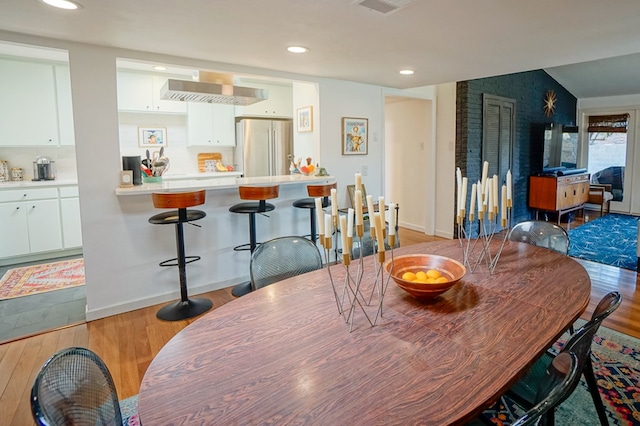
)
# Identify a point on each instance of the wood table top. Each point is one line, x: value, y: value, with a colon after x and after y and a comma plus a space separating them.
x: 283, y: 355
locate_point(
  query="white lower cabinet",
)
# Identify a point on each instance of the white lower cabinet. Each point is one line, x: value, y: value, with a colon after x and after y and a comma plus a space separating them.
x: 43, y: 218
x: 14, y: 230
x: 30, y: 221
x: 70, y: 218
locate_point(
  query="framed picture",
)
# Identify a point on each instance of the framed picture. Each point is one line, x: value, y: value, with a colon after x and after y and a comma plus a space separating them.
x: 152, y: 136
x: 305, y: 119
x: 354, y: 136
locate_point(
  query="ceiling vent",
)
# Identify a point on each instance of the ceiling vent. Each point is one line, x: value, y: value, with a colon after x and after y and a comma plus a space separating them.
x: 384, y: 6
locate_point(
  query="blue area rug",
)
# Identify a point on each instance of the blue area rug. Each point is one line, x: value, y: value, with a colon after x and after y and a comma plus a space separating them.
x: 610, y: 239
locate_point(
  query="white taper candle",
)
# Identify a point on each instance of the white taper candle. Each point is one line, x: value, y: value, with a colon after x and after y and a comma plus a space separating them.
x: 344, y: 234
x: 480, y: 202
x: 472, y: 207
x: 350, y: 214
x: 393, y: 217
x: 334, y: 202
x: 358, y: 201
x: 319, y: 216
x: 379, y: 232
x: 358, y: 181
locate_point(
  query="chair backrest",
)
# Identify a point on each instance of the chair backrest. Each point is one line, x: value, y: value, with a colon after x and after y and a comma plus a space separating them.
x: 75, y: 387
x: 563, y: 376
x: 324, y: 191
x: 580, y: 342
x: 259, y: 192
x: 177, y: 200
x: 542, y: 234
x: 283, y: 258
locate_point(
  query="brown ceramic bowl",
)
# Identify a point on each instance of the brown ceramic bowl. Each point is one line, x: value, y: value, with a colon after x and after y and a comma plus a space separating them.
x: 449, y: 268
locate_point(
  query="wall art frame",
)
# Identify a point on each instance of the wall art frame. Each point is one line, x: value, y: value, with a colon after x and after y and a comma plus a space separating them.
x: 355, y: 136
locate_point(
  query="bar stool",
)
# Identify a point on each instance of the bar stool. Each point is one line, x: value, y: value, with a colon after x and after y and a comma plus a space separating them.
x: 258, y: 195
x: 315, y: 191
x: 185, y: 307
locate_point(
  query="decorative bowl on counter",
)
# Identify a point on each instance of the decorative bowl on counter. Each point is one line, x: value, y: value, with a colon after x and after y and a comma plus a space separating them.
x: 448, y: 270
x: 152, y: 179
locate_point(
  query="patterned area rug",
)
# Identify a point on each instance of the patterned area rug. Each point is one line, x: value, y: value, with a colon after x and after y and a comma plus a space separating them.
x: 611, y: 239
x: 129, y: 411
x: 40, y: 278
x: 616, y: 360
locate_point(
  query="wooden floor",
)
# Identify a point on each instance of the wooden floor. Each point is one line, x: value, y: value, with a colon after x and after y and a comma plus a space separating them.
x: 128, y: 342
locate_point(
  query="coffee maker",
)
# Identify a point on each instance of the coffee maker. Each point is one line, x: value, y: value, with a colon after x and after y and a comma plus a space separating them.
x: 44, y: 169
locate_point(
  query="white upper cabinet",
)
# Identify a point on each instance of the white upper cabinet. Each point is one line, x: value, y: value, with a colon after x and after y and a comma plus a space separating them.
x: 140, y: 92
x: 28, y: 104
x: 65, y: 106
x: 211, y: 124
x: 279, y: 104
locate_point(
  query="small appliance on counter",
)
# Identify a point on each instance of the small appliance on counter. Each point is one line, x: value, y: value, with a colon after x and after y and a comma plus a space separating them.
x: 4, y: 171
x: 44, y: 169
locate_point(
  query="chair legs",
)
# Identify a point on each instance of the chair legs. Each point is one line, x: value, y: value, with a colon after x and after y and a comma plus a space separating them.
x: 245, y: 288
x: 595, y: 394
x: 185, y: 308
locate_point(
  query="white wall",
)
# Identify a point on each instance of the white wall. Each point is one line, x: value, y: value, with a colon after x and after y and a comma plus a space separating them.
x: 306, y: 144
x: 343, y: 99
x: 446, y: 155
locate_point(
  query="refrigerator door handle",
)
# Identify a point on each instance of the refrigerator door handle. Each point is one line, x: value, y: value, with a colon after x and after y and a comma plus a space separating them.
x: 272, y: 154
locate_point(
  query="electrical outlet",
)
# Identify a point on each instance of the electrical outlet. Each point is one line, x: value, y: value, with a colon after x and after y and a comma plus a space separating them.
x: 365, y: 170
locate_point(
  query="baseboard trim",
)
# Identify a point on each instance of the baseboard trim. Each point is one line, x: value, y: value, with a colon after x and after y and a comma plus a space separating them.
x: 132, y: 305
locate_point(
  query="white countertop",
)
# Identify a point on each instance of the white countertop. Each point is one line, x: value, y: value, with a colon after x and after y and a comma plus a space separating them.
x: 37, y: 183
x: 218, y: 182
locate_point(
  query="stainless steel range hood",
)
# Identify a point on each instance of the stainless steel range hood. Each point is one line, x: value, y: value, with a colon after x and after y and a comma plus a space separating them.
x: 211, y: 92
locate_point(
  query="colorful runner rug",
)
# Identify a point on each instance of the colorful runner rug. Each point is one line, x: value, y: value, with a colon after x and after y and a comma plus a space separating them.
x: 35, y: 279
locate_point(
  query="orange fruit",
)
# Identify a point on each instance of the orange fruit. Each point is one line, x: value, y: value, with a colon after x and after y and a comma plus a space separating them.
x: 432, y: 273
x: 409, y: 276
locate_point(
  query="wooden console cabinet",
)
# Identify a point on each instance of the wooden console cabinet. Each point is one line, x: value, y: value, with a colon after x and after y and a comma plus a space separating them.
x: 560, y: 194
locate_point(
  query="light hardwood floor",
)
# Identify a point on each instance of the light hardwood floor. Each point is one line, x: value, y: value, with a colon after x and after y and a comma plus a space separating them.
x: 128, y: 342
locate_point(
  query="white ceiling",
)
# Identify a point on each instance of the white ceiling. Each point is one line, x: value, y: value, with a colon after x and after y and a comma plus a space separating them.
x: 442, y: 40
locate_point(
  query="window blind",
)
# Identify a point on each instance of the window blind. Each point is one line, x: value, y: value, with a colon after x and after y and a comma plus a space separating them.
x: 609, y: 123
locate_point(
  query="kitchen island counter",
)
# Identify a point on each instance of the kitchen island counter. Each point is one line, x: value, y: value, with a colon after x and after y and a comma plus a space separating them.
x: 144, y: 245
x: 219, y: 182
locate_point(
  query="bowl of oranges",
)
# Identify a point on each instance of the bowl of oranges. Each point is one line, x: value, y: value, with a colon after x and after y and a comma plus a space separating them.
x: 425, y: 276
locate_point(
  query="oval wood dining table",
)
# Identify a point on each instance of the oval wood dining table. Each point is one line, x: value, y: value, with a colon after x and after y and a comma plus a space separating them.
x: 283, y: 354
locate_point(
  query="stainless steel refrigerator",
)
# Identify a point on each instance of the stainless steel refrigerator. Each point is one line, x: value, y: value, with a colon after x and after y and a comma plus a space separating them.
x: 262, y: 146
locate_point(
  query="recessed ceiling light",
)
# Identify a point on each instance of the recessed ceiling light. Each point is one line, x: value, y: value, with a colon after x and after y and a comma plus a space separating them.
x: 62, y: 4
x: 406, y: 72
x: 160, y: 68
x: 297, y: 49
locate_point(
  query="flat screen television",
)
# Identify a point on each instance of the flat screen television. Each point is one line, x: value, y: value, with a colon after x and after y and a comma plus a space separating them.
x: 555, y: 147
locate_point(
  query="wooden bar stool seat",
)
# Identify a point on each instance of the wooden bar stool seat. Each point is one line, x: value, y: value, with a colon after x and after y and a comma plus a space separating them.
x: 185, y: 307
x: 257, y: 204
x: 315, y: 191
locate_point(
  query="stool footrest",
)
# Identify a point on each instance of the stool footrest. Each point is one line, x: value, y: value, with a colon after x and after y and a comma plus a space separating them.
x: 243, y: 247
x: 174, y: 261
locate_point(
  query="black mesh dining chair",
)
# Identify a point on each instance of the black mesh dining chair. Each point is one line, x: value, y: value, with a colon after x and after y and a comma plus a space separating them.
x: 75, y: 387
x: 524, y: 391
x: 282, y: 258
x: 542, y: 234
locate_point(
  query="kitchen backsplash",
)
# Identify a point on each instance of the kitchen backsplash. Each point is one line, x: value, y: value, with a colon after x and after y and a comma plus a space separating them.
x: 64, y: 156
x: 183, y: 158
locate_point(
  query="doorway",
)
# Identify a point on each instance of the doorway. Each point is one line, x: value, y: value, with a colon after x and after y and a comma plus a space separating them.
x: 409, y: 161
x: 608, y: 145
